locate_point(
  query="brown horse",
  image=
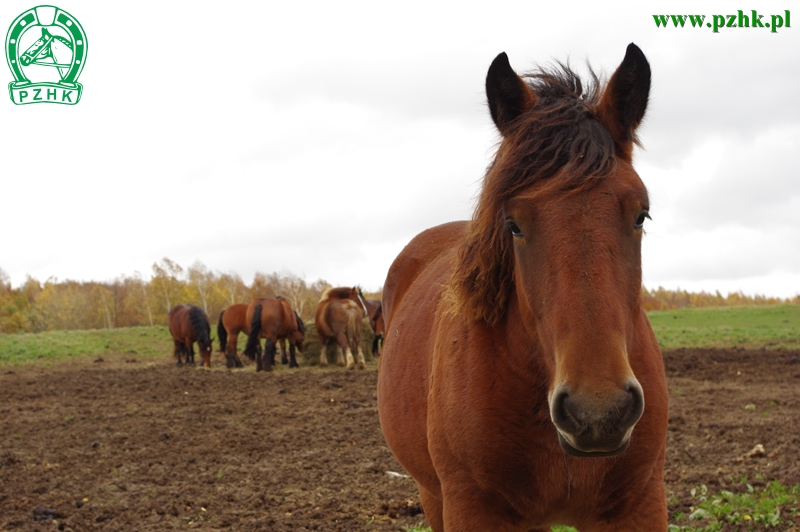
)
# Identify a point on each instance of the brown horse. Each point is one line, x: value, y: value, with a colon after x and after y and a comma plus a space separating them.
x: 189, y: 324
x: 233, y: 320
x: 338, y: 317
x: 271, y: 318
x: 521, y: 384
x: 376, y: 322
x: 295, y: 338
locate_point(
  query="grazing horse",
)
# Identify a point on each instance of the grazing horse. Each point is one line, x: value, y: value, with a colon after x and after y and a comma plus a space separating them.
x: 189, y: 324
x: 521, y: 384
x: 376, y: 322
x: 232, y: 321
x: 271, y: 318
x: 338, y: 317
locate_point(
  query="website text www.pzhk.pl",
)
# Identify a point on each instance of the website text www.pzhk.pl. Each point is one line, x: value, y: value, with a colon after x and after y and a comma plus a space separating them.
x: 738, y: 20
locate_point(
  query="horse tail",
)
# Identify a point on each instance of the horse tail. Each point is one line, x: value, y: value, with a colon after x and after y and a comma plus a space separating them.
x: 222, y: 334
x: 351, y: 331
x: 255, y: 330
x: 200, y: 327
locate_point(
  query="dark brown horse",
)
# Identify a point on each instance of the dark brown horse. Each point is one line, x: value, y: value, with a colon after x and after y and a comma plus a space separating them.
x: 271, y: 318
x: 189, y: 324
x: 521, y: 384
x: 376, y: 322
x: 338, y: 317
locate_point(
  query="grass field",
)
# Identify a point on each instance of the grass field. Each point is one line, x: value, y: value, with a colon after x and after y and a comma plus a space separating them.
x: 750, y: 327
x: 52, y: 346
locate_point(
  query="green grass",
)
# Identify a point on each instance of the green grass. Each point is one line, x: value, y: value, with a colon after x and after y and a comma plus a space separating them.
x: 751, y: 327
x: 51, y: 346
x: 773, y: 506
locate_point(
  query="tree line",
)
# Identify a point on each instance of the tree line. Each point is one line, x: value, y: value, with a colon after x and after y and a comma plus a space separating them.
x: 663, y: 299
x: 130, y: 301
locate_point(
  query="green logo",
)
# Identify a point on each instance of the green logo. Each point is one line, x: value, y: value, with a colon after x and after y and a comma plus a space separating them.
x: 46, y: 51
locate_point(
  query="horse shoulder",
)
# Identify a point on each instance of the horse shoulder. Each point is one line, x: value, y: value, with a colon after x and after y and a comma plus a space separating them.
x: 420, y: 254
x: 412, y: 294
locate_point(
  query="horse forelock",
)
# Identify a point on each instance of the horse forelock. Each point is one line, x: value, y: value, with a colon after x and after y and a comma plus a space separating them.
x: 558, y: 143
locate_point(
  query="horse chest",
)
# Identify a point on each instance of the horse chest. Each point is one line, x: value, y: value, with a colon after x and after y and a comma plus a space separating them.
x: 492, y: 429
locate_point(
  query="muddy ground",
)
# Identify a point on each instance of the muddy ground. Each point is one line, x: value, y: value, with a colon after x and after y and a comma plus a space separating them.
x: 123, y: 444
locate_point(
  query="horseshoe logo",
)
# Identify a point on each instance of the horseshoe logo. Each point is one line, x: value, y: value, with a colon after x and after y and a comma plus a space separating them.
x: 46, y: 51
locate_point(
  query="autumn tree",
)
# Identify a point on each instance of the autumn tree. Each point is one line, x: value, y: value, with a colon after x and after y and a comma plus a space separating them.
x: 231, y: 287
x: 201, y: 285
x: 167, y: 286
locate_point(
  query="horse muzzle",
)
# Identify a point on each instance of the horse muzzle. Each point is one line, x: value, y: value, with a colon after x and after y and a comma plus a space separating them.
x: 596, y: 424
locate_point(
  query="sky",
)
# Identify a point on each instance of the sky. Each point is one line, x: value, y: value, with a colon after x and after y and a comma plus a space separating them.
x: 317, y: 138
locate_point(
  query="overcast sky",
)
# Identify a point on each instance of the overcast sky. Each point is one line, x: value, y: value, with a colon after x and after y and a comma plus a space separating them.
x: 318, y: 138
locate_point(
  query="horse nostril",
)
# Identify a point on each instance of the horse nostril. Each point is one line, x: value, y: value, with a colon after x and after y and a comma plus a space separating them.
x: 564, y: 411
x: 634, y: 406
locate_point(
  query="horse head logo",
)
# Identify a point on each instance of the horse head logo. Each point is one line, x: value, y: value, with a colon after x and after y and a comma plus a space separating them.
x: 46, y: 51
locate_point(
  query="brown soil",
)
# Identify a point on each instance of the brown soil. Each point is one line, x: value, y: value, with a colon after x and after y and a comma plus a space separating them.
x: 134, y: 445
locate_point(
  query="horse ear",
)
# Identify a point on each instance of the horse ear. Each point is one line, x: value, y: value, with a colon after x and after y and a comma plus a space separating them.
x: 624, y: 100
x: 509, y: 96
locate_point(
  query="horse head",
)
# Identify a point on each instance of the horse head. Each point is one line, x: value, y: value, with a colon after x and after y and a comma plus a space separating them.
x: 555, y: 243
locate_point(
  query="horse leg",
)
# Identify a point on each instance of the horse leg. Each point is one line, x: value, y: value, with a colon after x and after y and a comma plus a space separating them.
x: 292, y: 360
x: 348, y: 353
x: 189, y: 354
x: 280, y: 349
x: 269, y: 355
x: 342, y: 346
x: 362, y: 364
x: 178, y: 351
x: 432, y: 507
x: 230, y: 352
x: 323, y: 354
x: 259, y: 361
x: 377, y: 345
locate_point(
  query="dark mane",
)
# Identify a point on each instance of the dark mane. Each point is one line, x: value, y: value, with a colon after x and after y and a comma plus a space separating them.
x: 200, y: 326
x: 559, y: 135
x: 300, y: 325
x: 560, y: 132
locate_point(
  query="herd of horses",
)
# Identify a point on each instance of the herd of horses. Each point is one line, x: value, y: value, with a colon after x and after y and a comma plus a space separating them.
x: 520, y: 383
x: 338, y: 318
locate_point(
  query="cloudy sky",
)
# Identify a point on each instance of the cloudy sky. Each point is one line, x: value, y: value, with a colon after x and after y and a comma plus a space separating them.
x: 318, y: 138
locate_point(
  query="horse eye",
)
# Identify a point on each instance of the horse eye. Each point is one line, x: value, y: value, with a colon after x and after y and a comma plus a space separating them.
x: 640, y: 219
x: 514, y: 228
